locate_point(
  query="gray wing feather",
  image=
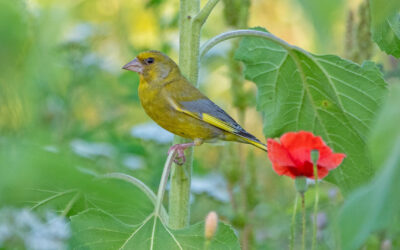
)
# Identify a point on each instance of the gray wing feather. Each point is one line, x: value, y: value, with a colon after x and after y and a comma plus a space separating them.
x: 201, y: 106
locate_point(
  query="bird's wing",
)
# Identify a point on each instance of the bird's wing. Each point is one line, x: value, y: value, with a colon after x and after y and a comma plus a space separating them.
x: 207, y: 111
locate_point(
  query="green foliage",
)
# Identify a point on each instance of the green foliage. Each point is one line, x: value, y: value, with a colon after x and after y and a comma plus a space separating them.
x: 105, y: 213
x: 323, y: 16
x: 330, y: 96
x: 236, y: 12
x: 61, y: 83
x: 13, y: 33
x: 376, y: 206
x: 46, y: 180
x: 385, y: 25
x: 363, y: 45
x: 97, y: 230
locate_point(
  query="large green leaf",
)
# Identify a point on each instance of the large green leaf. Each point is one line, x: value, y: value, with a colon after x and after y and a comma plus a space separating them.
x: 374, y: 207
x: 106, y: 213
x: 32, y: 177
x: 385, y: 25
x: 332, y: 97
x: 95, y: 229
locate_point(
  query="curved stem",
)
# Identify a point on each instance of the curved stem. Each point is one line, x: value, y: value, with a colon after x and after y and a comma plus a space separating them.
x: 242, y: 33
x: 292, y: 225
x: 163, y: 182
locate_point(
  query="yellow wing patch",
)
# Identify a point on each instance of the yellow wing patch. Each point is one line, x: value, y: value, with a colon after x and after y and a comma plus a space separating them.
x: 257, y: 144
x: 217, y: 123
x: 204, y: 117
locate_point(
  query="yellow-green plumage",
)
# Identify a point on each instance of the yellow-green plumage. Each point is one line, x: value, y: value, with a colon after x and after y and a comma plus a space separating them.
x: 177, y: 106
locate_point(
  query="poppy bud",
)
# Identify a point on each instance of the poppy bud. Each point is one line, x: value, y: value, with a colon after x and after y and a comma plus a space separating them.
x: 211, y: 225
x: 301, y: 184
x: 314, y: 156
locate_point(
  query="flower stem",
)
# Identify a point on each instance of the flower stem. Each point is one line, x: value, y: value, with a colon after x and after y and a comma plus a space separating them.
x: 303, y: 212
x: 314, y: 238
x: 292, y: 225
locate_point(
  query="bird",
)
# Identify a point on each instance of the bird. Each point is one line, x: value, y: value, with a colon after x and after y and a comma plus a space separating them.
x: 176, y: 105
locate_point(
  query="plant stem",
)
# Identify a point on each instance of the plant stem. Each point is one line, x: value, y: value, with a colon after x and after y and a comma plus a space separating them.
x: 163, y: 182
x: 191, y: 20
x: 203, y: 14
x: 179, y: 209
x: 242, y: 33
x: 207, y: 245
x: 303, y: 212
x: 292, y: 225
x: 314, y: 239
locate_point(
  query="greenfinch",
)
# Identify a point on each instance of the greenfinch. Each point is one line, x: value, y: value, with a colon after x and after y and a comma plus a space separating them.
x: 177, y: 106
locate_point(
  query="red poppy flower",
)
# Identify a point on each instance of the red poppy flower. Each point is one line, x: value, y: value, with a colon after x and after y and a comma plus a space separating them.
x: 291, y: 157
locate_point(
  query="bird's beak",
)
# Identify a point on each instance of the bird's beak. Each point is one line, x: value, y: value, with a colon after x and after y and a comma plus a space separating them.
x: 134, y: 65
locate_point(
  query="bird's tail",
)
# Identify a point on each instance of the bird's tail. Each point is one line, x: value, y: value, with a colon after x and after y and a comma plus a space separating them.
x: 258, y: 144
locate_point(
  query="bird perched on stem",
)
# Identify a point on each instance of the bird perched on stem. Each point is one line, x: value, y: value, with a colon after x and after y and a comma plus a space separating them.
x: 177, y: 106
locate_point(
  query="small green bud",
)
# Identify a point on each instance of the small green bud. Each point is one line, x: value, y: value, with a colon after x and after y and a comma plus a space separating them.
x: 314, y: 156
x: 301, y: 184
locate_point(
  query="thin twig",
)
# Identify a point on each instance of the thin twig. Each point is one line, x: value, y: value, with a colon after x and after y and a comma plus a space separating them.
x: 203, y: 14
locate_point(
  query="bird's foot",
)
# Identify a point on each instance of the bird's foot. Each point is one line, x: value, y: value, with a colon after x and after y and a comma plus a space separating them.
x: 180, y: 158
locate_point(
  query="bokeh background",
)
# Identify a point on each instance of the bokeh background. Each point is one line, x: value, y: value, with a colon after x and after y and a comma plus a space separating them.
x: 62, y: 89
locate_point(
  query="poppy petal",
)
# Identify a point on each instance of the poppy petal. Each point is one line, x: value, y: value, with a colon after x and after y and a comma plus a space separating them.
x: 278, y: 154
x: 332, y: 160
x: 291, y: 157
x: 300, y: 145
x: 283, y: 170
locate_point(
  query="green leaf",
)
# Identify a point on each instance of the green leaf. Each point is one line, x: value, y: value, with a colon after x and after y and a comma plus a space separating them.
x: 374, y: 206
x: 33, y: 177
x: 105, y: 213
x: 385, y: 25
x: 330, y: 96
x: 95, y: 229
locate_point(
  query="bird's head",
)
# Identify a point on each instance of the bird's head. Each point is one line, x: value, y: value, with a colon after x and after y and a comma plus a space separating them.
x: 152, y: 65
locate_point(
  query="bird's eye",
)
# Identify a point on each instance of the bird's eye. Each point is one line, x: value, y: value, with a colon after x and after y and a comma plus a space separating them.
x: 150, y: 60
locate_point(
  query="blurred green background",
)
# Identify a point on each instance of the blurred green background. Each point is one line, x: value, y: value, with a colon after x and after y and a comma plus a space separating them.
x: 63, y: 92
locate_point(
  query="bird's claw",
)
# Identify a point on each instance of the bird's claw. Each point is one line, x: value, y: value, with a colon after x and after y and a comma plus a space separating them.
x: 179, y: 158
